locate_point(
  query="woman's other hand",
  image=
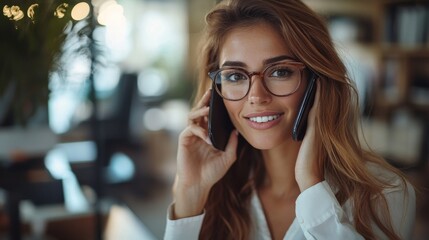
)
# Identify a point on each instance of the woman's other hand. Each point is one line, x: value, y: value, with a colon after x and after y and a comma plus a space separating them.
x: 309, y: 165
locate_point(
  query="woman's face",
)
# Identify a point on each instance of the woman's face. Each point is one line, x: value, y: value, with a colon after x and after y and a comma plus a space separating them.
x: 251, y: 48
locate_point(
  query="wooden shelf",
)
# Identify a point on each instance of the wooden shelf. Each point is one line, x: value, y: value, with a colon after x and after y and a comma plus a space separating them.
x: 411, y: 51
x: 387, y: 2
x: 353, y: 7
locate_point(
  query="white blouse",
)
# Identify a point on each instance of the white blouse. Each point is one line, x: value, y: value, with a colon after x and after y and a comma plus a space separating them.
x: 318, y: 215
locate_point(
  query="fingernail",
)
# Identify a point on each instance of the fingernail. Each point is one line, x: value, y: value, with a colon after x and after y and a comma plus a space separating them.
x: 208, y: 141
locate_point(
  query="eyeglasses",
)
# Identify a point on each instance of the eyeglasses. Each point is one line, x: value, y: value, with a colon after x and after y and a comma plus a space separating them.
x: 280, y: 79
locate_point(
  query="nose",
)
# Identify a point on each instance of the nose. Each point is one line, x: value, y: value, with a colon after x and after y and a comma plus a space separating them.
x: 257, y: 93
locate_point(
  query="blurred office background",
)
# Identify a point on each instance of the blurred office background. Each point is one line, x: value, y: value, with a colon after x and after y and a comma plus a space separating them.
x: 93, y: 95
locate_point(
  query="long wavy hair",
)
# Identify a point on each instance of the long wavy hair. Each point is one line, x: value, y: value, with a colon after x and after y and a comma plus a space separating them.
x: 337, y: 121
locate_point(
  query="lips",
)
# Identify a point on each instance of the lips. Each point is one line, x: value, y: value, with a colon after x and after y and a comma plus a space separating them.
x: 262, y: 121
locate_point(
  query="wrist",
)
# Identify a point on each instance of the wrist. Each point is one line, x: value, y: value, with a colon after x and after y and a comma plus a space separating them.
x: 189, y: 202
x: 308, y: 182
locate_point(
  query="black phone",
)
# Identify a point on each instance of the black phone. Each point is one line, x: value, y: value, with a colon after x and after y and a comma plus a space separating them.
x: 300, y: 124
x: 220, y: 125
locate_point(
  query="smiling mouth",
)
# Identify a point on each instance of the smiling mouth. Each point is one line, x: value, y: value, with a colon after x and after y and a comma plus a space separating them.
x: 264, y: 119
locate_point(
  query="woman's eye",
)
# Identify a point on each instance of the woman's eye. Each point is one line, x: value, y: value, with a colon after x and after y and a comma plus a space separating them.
x: 235, y: 77
x: 281, y: 72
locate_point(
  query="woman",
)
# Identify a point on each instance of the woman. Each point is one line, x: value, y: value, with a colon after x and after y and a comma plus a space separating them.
x: 265, y: 185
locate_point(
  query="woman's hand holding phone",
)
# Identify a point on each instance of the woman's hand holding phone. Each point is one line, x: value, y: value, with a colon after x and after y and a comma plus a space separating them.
x: 199, y: 164
x: 309, y: 167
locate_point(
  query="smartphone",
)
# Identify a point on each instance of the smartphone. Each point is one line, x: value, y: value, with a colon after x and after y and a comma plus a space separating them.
x: 300, y: 124
x: 220, y: 125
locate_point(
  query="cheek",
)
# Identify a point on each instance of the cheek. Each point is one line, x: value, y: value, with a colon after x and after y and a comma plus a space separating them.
x: 295, y: 99
x: 291, y: 107
x: 293, y: 102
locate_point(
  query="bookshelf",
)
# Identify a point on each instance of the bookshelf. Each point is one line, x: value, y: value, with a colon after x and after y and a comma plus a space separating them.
x: 399, y: 39
x: 405, y: 43
x: 396, y: 34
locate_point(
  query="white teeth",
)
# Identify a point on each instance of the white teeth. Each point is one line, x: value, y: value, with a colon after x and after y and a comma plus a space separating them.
x: 264, y: 118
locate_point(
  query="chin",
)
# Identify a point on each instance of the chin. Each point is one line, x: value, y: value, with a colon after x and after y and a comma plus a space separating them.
x: 262, y: 146
x: 266, y: 143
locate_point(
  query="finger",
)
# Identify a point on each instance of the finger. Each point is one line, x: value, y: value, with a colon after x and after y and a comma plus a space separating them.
x: 231, y: 147
x: 192, y: 131
x: 198, y: 113
x: 204, y: 101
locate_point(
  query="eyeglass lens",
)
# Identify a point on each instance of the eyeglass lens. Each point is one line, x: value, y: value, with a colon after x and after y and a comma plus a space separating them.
x: 280, y: 80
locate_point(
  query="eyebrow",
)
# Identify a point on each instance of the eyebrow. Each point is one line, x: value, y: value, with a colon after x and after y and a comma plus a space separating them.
x: 265, y: 62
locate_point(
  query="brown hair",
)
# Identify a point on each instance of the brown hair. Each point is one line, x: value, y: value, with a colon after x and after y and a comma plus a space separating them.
x: 308, y: 40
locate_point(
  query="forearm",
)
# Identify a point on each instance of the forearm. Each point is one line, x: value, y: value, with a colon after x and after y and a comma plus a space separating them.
x: 189, y: 201
x: 186, y: 214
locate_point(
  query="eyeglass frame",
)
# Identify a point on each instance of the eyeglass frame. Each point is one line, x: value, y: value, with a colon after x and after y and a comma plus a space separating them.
x: 213, y: 74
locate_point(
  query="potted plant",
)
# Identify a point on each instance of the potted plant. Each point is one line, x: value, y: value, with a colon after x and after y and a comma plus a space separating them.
x: 33, y: 34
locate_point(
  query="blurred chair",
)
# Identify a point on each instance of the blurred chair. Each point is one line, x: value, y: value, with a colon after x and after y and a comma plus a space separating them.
x: 23, y: 175
x: 111, y: 129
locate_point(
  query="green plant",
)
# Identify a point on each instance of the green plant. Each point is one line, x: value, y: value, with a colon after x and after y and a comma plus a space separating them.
x: 33, y: 34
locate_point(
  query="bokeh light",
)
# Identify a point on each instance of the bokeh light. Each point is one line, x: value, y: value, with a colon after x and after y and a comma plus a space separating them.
x: 80, y: 11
